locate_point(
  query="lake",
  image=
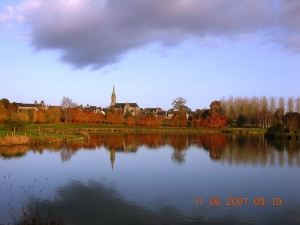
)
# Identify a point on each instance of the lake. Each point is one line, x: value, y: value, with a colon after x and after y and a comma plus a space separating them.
x: 154, y: 179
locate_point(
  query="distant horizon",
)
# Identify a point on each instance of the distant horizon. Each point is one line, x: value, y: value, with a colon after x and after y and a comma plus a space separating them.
x: 199, y: 107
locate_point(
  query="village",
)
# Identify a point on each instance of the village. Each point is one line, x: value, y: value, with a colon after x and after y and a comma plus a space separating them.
x: 127, y: 108
x: 255, y: 112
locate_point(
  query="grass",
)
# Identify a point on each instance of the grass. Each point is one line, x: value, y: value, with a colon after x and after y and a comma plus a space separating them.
x: 39, y: 134
x: 61, y: 129
x: 49, y: 133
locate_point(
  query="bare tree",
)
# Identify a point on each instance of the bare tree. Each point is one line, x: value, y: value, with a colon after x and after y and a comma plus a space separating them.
x: 66, y: 105
x: 281, y: 104
x: 179, y: 103
x: 298, y: 104
x: 260, y: 112
x: 273, y: 105
x: 291, y: 104
x: 231, y: 109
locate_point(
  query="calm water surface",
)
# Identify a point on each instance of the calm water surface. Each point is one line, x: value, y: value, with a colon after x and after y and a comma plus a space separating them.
x: 154, y: 179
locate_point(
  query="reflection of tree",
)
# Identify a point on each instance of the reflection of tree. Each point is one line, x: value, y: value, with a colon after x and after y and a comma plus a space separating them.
x: 255, y: 150
x: 214, y: 143
x: 66, y: 154
x: 233, y: 149
x: 179, y: 142
x: 14, y: 151
x: 112, y: 158
x: 95, y: 204
x: 178, y: 156
x: 215, y: 154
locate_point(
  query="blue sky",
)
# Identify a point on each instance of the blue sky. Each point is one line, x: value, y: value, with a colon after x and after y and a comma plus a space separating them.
x: 152, y: 74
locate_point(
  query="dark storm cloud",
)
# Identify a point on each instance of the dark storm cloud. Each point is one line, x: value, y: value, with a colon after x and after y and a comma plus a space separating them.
x: 98, y: 32
x: 289, y: 22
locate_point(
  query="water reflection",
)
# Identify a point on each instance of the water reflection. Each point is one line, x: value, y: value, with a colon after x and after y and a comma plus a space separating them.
x: 94, y: 203
x: 230, y: 149
x: 154, y: 180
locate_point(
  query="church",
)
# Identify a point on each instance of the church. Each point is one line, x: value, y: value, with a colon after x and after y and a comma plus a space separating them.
x: 131, y: 108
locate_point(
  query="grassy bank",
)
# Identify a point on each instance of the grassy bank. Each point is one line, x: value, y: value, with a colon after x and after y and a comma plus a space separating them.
x: 62, y: 129
x: 49, y: 133
x: 39, y: 134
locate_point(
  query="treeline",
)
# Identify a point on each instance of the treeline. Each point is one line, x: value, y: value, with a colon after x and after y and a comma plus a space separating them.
x: 69, y: 112
x: 233, y: 112
x: 260, y: 112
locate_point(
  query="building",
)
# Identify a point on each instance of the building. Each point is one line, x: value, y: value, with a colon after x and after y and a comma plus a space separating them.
x: 93, y: 109
x: 36, y: 106
x: 154, y: 111
x: 113, y: 97
x: 127, y: 107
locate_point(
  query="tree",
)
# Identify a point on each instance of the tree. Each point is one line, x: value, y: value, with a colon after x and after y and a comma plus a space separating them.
x: 281, y: 104
x: 5, y: 103
x: 14, y: 124
x: 241, y: 121
x: 179, y: 119
x: 130, y: 121
x: 292, y: 120
x: 53, y: 114
x: 3, y: 113
x: 216, y: 107
x: 278, y: 115
x: 115, y: 117
x: 298, y: 105
x: 179, y: 104
x: 66, y: 105
x: 273, y: 105
x: 264, y: 115
x: 291, y: 104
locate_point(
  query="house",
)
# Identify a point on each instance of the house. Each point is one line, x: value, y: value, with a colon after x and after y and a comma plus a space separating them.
x: 36, y: 106
x: 94, y: 109
x: 154, y: 111
x: 171, y: 112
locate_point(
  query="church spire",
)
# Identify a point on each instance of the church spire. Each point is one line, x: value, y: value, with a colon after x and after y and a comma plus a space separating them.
x: 113, y: 97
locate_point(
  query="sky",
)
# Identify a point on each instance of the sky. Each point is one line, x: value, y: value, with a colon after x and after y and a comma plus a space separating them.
x: 152, y: 51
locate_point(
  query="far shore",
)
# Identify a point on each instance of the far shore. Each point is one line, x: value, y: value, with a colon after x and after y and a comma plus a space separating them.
x: 62, y: 132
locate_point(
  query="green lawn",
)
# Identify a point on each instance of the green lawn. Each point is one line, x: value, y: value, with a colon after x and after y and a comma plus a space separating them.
x: 61, y: 129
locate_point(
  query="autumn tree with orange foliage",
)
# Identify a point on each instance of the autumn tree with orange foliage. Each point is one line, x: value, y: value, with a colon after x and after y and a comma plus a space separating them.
x: 150, y: 120
x: 212, y: 118
x: 3, y: 113
x: 40, y: 116
x: 179, y: 119
x: 54, y: 114
x: 114, y: 116
x: 130, y: 121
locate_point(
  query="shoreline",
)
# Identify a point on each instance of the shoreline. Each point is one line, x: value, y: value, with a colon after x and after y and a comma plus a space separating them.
x: 61, y: 132
x: 52, y: 133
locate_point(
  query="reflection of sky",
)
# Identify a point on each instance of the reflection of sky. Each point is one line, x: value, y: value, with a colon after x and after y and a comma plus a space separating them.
x: 150, y: 178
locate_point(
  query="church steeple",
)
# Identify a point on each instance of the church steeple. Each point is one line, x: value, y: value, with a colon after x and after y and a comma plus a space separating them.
x: 113, y: 97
